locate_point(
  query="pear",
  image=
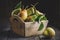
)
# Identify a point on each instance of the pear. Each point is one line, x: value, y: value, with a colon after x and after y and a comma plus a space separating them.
x: 23, y: 14
x: 29, y: 19
x: 45, y: 33
x: 51, y: 31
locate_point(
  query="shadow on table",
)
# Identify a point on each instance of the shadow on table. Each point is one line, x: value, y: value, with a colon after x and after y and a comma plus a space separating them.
x: 11, y: 35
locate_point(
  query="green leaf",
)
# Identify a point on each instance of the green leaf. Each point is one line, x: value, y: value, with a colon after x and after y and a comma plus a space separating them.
x: 38, y: 18
x: 41, y: 26
x: 44, y: 18
x: 18, y: 5
x: 34, y: 17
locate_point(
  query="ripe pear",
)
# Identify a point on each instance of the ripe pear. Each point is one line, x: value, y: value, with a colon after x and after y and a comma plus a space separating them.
x: 23, y: 14
x: 51, y: 31
x: 45, y: 33
x: 29, y: 19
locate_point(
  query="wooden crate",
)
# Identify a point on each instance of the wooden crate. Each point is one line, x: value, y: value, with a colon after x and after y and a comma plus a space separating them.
x: 26, y: 28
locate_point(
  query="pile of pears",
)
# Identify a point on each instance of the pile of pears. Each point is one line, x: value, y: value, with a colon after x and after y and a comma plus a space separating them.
x: 31, y: 14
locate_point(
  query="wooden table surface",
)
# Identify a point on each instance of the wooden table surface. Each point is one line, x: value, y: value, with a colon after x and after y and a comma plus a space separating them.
x: 9, y: 35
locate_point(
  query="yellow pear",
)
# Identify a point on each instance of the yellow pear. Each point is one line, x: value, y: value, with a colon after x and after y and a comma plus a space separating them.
x: 51, y: 31
x: 23, y: 14
x: 45, y: 33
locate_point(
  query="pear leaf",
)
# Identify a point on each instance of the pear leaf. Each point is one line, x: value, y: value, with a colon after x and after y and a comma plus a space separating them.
x: 41, y: 26
x: 18, y: 5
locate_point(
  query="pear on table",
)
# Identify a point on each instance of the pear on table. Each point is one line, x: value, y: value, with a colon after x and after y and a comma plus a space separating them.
x: 49, y: 32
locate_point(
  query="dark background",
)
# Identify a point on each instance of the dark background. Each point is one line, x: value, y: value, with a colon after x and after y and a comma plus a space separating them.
x: 49, y: 7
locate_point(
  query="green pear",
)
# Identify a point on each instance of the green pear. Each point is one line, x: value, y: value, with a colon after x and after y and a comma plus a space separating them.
x: 45, y: 33
x: 51, y: 31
